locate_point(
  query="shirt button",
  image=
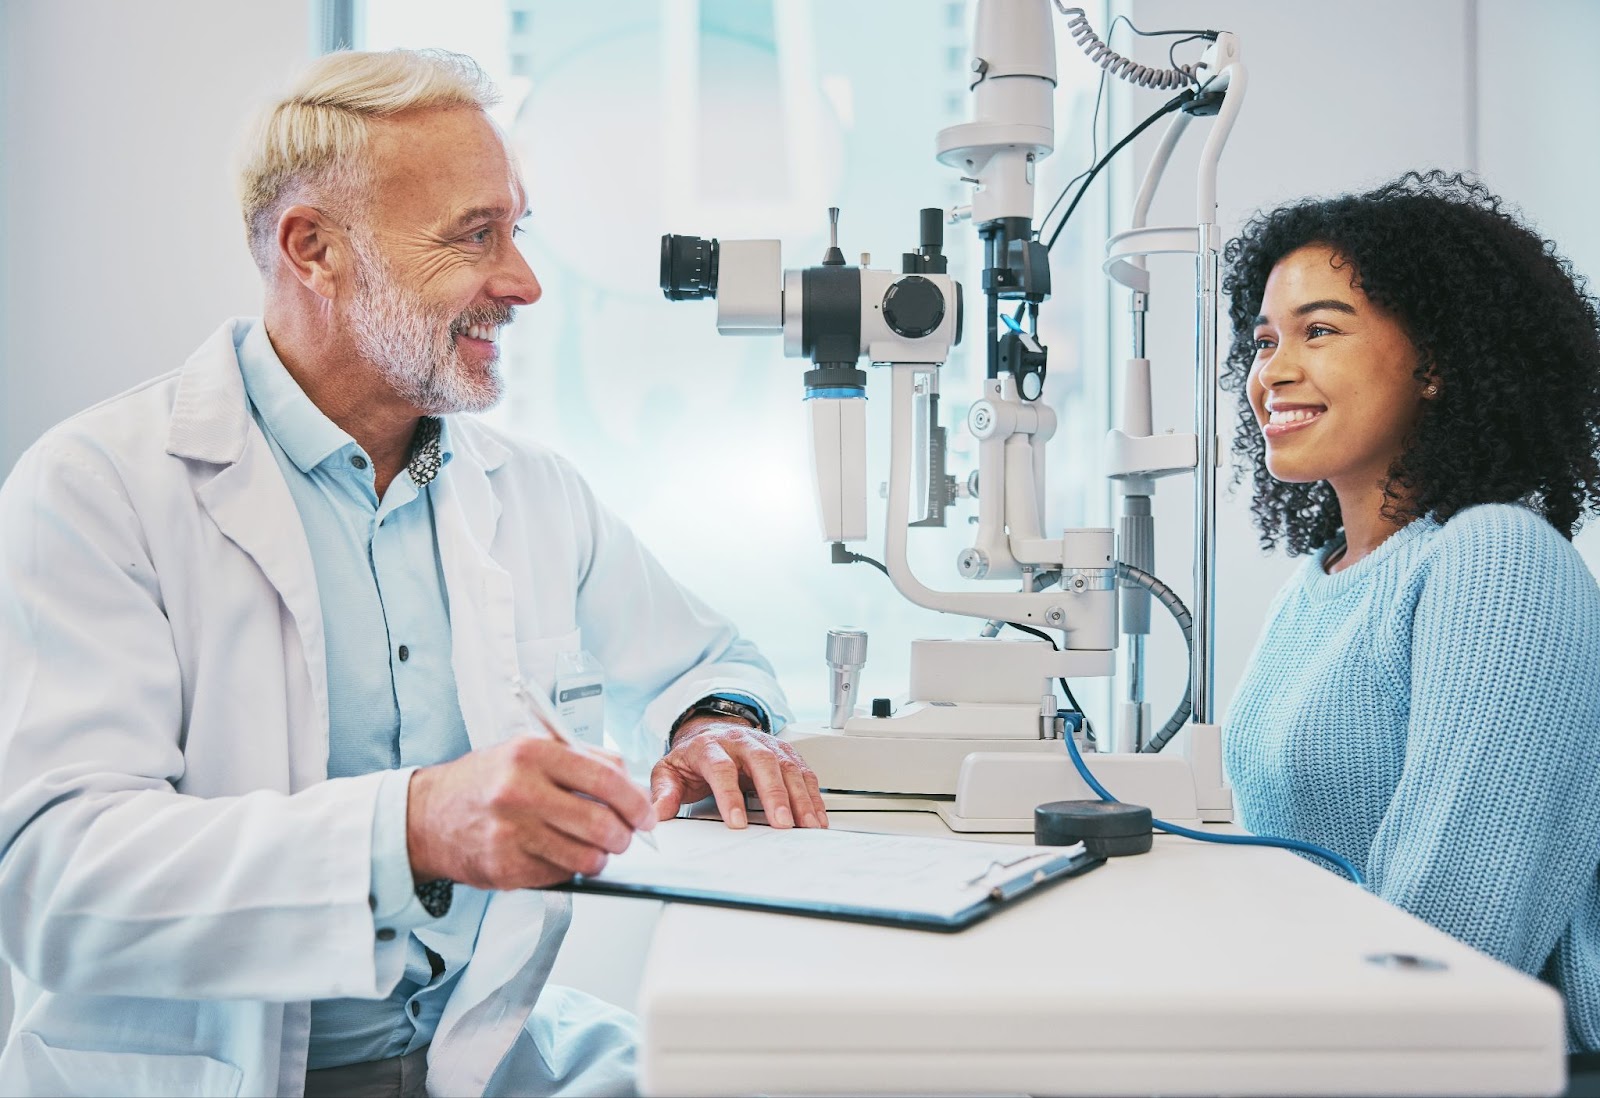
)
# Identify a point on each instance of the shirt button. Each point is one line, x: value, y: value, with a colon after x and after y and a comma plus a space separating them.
x: 404, y: 653
x: 386, y: 934
x: 358, y: 461
x: 416, y: 1008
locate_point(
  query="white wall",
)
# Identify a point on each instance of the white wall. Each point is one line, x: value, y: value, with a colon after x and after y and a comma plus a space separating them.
x: 122, y: 245
x: 1538, y: 139
x: 1342, y: 97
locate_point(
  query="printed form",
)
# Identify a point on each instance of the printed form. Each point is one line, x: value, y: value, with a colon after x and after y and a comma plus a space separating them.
x: 825, y: 868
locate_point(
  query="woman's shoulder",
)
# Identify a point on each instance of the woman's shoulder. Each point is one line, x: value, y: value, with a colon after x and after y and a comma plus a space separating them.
x: 1511, y: 550
x: 1493, y: 534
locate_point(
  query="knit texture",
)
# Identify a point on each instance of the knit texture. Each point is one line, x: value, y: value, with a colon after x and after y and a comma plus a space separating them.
x: 1432, y: 713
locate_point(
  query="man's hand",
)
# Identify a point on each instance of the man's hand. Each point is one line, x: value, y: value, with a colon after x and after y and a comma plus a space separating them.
x: 725, y: 758
x: 527, y: 813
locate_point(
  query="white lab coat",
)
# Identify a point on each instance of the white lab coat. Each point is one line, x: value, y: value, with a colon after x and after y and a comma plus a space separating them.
x: 178, y: 877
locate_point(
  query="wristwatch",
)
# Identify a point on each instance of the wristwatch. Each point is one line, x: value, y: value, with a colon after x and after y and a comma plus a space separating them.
x: 718, y: 705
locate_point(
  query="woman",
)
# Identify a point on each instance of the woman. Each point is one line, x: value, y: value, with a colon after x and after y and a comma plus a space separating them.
x: 1419, y: 382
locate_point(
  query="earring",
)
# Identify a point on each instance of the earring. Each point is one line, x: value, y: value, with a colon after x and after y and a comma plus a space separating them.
x: 1431, y: 391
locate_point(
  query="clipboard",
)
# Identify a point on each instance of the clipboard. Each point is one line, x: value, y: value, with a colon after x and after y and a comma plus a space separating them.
x: 909, y: 881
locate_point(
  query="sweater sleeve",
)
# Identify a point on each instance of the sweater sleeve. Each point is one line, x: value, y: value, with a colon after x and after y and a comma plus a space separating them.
x: 1494, y: 828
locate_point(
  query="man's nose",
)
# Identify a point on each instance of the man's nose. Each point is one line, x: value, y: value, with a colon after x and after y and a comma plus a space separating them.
x: 516, y: 283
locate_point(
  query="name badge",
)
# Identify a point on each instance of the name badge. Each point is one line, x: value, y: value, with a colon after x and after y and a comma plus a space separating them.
x: 580, y: 696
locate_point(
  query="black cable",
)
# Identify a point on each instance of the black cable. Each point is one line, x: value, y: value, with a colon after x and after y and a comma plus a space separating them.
x: 1088, y: 729
x: 1166, y: 108
x: 1169, y: 599
x: 841, y: 555
x: 1210, y: 36
x: 1094, y: 151
x: 1151, y: 34
x: 1094, y: 120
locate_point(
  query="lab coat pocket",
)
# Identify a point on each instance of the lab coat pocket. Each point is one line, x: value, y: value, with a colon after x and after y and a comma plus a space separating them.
x: 536, y: 659
x: 42, y: 1069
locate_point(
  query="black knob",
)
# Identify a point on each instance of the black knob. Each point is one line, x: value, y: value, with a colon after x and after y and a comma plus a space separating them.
x: 913, y: 306
x: 880, y: 708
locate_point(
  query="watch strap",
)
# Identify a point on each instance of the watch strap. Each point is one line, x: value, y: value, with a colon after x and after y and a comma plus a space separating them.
x: 719, y: 705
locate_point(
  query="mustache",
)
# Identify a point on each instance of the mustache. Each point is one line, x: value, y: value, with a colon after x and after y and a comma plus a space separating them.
x: 495, y: 314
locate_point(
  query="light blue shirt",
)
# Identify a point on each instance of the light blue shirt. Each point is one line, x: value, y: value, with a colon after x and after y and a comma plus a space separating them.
x: 392, y: 701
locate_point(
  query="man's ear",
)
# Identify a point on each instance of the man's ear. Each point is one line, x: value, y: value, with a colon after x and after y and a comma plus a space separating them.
x: 314, y: 249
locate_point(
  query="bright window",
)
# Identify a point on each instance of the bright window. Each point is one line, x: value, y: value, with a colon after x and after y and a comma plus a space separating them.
x: 736, y: 119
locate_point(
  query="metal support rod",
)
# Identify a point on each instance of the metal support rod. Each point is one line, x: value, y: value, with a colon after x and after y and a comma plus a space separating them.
x: 991, y: 295
x: 1135, y: 740
x: 1138, y: 306
x: 1202, y: 673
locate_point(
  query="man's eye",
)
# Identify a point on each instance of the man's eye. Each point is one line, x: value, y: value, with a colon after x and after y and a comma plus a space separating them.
x: 481, y: 236
x: 516, y: 230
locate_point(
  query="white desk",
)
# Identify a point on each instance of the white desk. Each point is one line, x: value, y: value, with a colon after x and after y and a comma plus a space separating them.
x: 1195, y: 969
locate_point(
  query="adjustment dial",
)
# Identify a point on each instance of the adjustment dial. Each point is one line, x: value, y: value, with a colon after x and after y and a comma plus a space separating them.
x: 913, y: 306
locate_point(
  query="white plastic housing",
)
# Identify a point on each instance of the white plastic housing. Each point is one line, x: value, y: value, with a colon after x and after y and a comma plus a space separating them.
x: 1013, y: 120
x: 750, y: 287
x: 838, y: 429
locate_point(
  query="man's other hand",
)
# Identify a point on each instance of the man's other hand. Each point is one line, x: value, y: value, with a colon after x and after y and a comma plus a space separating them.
x: 727, y: 757
x: 527, y: 813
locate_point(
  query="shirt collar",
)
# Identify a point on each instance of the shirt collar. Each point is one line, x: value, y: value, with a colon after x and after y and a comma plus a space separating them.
x: 307, y: 436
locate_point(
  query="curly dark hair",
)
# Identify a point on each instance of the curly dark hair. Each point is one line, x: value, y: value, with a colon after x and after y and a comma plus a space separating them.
x: 1498, y: 318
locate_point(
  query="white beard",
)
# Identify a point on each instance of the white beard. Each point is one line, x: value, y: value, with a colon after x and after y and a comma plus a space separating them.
x: 412, y: 346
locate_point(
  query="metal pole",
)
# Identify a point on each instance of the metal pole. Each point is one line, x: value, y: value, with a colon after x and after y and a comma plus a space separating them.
x: 1135, y: 736
x: 1203, y: 674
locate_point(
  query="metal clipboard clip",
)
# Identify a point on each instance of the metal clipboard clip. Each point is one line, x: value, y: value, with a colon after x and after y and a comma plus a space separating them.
x: 1015, y: 886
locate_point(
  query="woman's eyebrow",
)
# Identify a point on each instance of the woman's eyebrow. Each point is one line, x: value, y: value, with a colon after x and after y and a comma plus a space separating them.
x: 1314, y: 306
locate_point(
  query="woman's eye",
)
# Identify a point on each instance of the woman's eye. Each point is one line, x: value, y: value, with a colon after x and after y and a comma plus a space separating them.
x: 1317, y: 330
x: 1263, y: 343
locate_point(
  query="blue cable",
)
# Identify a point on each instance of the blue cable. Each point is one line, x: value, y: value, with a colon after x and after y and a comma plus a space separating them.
x: 1228, y: 840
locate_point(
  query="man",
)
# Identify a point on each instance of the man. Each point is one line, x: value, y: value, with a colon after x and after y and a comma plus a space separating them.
x: 273, y: 806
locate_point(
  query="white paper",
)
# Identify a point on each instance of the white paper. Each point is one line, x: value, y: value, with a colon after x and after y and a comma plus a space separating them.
x: 891, y: 873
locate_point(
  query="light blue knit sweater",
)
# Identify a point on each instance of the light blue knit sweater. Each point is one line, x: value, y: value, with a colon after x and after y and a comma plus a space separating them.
x: 1432, y: 713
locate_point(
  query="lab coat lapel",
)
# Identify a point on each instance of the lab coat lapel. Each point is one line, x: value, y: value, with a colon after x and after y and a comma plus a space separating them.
x: 482, y: 606
x: 521, y: 930
x: 248, y: 500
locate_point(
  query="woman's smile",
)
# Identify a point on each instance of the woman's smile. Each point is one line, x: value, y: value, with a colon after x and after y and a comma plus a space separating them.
x: 1283, y: 419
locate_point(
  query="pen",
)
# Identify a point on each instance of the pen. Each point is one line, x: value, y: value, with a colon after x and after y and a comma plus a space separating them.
x: 520, y: 688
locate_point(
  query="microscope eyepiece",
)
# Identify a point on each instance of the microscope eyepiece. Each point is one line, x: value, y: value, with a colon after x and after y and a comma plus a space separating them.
x: 688, y: 267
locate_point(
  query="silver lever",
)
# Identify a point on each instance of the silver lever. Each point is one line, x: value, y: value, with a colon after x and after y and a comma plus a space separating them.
x: 847, y: 655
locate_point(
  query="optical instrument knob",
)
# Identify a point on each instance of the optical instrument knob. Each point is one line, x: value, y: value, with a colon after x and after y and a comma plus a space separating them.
x: 846, y: 652
x: 847, y: 647
x: 913, y: 307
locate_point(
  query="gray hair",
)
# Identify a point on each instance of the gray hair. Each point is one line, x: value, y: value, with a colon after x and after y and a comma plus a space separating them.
x: 312, y: 143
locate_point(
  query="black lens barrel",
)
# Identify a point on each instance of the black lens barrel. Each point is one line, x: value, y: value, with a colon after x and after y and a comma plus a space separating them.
x: 688, y: 267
